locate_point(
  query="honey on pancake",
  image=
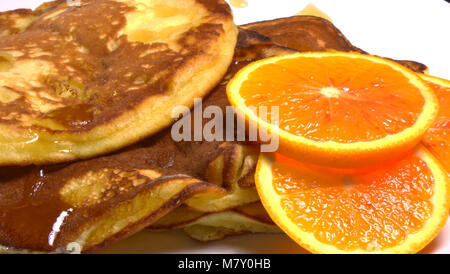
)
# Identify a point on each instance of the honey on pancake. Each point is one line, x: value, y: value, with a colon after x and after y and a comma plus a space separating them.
x: 311, y: 9
x: 239, y: 3
x: 73, y: 116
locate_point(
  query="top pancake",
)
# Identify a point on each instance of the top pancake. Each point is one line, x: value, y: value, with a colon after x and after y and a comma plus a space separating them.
x: 80, y: 81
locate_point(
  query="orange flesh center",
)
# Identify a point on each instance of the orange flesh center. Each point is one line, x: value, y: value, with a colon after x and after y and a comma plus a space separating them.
x: 437, y: 139
x: 337, y: 99
x: 370, y: 210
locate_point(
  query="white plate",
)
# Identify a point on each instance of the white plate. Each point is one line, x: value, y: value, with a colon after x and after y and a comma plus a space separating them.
x: 403, y: 29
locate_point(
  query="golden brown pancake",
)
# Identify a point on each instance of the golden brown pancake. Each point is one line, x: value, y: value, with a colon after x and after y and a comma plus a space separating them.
x: 311, y: 33
x: 80, y: 81
x: 100, y: 201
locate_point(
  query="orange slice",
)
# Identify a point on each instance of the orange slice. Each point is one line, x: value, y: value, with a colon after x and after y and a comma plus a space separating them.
x: 395, y: 208
x: 336, y: 109
x: 437, y: 138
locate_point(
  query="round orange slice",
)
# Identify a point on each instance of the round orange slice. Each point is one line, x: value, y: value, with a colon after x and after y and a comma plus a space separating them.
x: 395, y: 208
x: 336, y: 109
x: 437, y: 138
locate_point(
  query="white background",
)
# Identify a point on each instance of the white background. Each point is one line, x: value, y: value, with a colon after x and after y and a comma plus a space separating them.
x: 416, y: 30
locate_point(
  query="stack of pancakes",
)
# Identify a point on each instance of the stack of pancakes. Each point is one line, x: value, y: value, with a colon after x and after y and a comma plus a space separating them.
x: 86, y: 100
